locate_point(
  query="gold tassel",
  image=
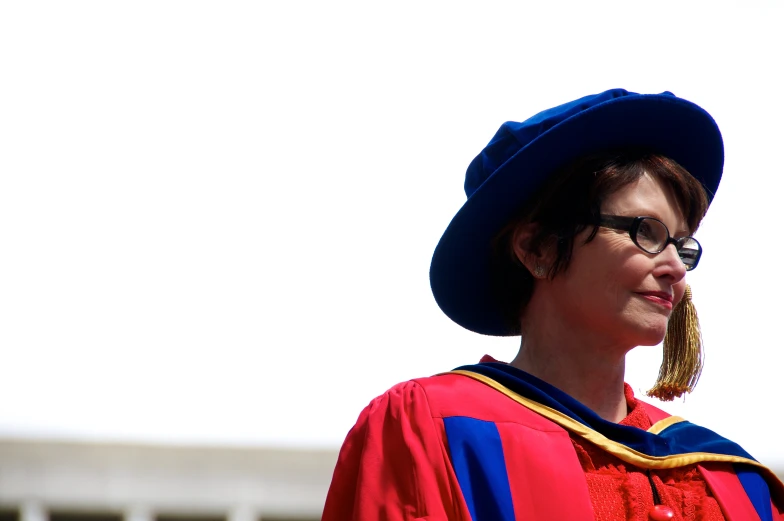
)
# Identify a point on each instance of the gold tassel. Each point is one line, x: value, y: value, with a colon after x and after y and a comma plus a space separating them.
x: 683, y: 358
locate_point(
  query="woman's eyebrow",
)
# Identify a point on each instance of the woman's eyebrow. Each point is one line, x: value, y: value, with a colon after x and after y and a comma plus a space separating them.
x: 644, y: 212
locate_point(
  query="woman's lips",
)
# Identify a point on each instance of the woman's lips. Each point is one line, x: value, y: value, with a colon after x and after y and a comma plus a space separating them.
x: 658, y: 297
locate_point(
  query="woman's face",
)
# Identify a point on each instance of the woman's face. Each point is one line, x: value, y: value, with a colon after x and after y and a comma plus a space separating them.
x: 612, y: 288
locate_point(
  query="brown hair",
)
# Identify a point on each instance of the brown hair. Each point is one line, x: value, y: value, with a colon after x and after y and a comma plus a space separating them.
x: 569, y: 203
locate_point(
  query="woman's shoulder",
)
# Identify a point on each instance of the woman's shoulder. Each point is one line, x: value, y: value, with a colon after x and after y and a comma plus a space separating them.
x: 439, y: 392
x: 451, y: 394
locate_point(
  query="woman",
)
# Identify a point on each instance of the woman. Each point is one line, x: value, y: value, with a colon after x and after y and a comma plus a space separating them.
x: 576, y: 235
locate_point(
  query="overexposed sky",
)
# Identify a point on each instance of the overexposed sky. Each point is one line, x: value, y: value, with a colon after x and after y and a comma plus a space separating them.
x: 217, y: 218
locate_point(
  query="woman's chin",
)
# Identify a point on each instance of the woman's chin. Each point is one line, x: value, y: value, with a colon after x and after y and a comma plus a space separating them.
x: 649, y: 343
x: 649, y: 333
x: 652, y: 337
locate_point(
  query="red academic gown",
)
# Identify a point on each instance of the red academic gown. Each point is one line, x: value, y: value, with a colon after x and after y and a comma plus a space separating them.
x: 464, y: 447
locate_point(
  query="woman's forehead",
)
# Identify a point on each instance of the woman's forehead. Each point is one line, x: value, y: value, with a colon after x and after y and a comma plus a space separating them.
x: 647, y: 196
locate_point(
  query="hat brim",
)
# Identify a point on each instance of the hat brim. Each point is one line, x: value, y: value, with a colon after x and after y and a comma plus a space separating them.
x: 460, y: 271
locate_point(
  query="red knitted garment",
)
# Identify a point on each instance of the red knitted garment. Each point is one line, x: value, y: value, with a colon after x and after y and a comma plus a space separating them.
x: 621, y: 491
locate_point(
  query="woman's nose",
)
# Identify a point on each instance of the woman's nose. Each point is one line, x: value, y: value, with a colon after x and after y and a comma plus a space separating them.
x: 671, y: 263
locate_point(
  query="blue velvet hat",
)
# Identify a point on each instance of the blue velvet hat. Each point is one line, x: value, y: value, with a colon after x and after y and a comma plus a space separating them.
x: 521, y: 156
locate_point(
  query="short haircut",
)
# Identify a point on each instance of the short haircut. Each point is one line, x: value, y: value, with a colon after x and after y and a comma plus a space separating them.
x: 569, y: 203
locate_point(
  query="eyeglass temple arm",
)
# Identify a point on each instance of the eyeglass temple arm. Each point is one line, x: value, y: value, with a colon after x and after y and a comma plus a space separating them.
x: 616, y: 222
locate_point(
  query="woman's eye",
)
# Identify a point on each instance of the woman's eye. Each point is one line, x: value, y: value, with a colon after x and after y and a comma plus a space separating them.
x: 645, y: 230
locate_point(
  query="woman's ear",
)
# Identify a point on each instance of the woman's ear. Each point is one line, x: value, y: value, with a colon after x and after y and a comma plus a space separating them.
x: 533, y: 258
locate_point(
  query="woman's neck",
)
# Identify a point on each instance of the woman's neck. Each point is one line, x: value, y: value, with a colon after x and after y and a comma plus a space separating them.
x: 591, y: 374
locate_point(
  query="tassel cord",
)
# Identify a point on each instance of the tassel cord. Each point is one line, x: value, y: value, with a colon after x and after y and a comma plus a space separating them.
x: 683, y: 356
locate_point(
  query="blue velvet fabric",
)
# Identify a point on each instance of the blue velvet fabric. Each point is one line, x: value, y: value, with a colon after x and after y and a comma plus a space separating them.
x: 521, y: 156
x: 757, y: 490
x: 680, y: 438
x: 513, y: 135
x: 478, y: 459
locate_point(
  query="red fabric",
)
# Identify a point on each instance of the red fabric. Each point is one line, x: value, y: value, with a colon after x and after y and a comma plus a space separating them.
x: 395, y: 464
x: 619, y: 490
x: 541, y: 476
x: 654, y: 413
x: 728, y: 488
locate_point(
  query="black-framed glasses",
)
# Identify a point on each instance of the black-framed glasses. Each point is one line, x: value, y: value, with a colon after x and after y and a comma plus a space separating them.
x: 652, y: 236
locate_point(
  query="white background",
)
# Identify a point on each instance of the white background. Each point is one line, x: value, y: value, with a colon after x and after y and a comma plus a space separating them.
x: 216, y: 218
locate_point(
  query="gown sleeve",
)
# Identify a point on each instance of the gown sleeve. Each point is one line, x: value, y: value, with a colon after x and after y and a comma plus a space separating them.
x: 393, y: 464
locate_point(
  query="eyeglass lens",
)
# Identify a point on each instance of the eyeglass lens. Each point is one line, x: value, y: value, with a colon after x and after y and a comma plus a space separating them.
x: 652, y: 236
